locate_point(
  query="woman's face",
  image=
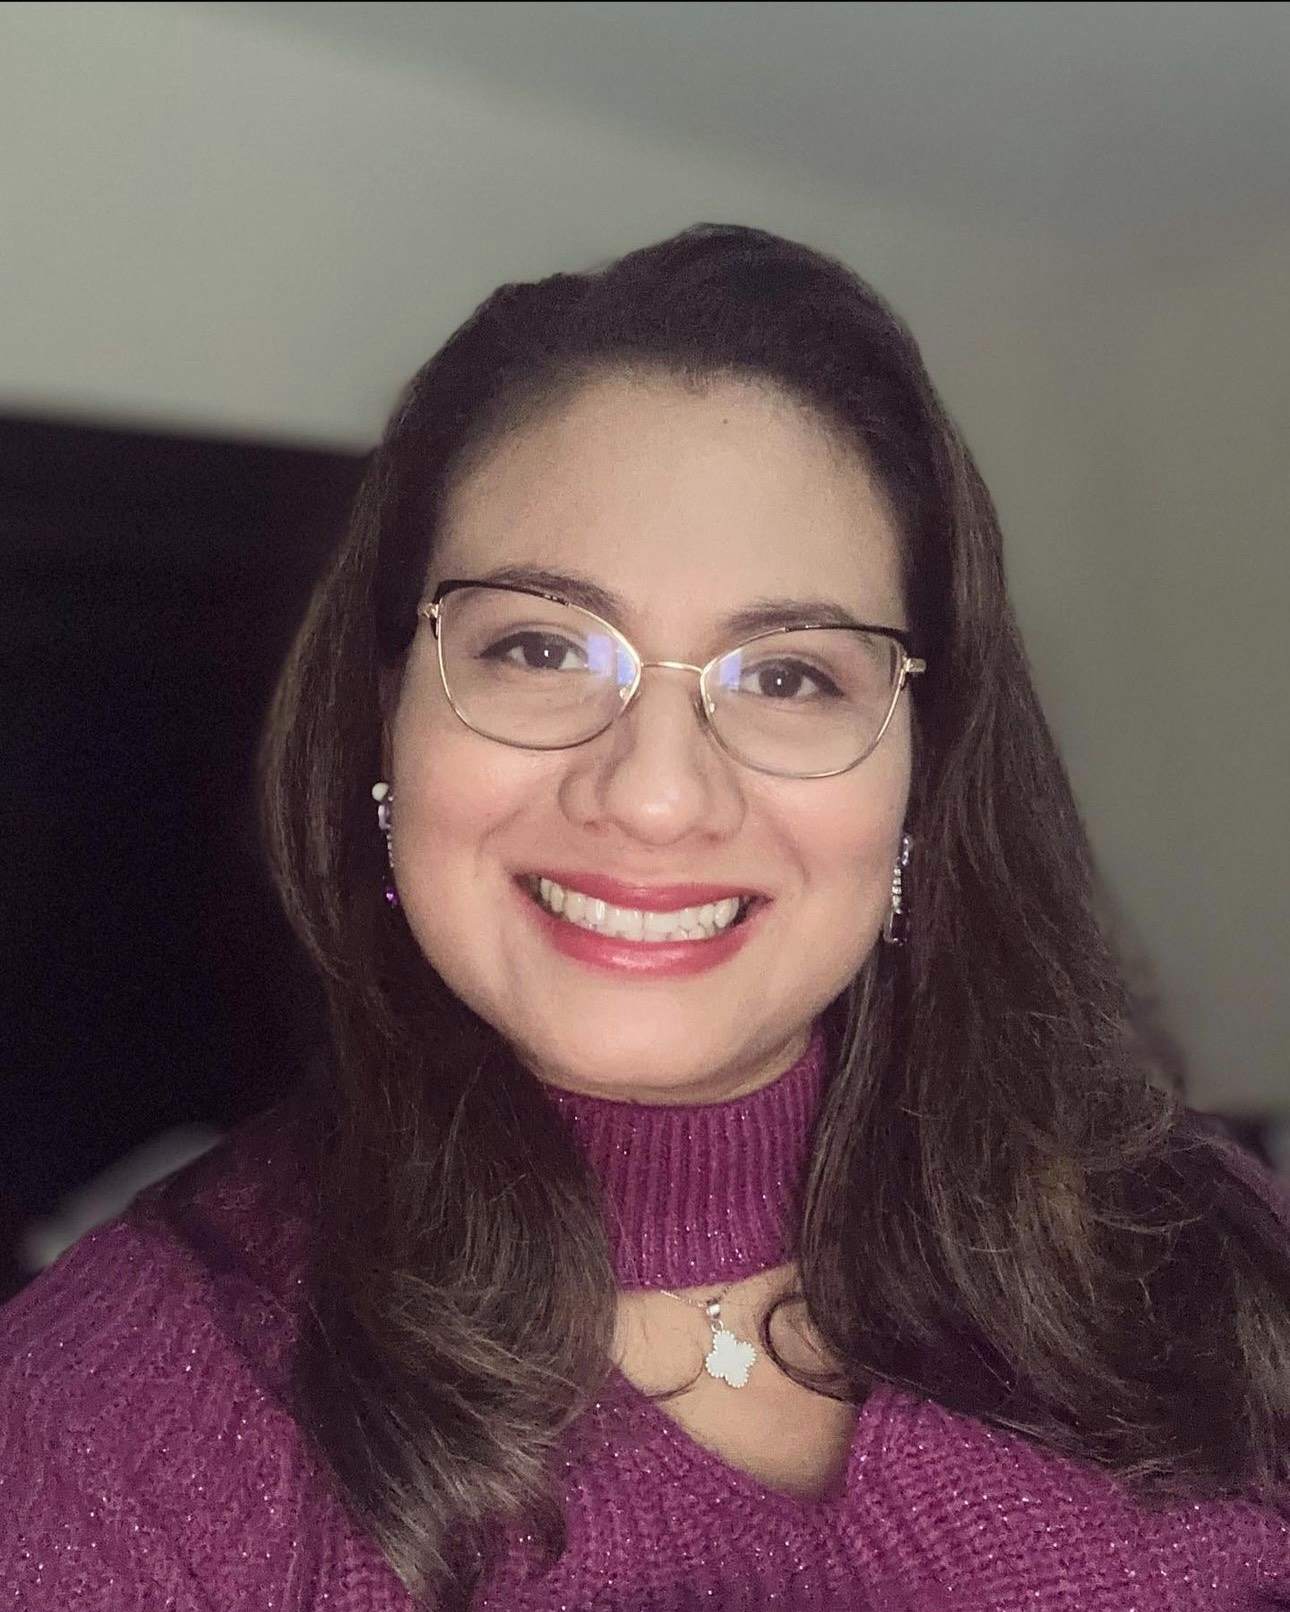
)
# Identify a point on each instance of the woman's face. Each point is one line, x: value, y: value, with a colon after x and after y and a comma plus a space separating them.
x: 686, y: 507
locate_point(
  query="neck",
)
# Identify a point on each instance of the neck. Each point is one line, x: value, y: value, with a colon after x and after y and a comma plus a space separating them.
x: 701, y: 1192
x: 720, y: 1086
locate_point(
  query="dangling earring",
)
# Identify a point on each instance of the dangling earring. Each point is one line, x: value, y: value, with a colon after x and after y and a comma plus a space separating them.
x: 895, y: 930
x: 385, y: 822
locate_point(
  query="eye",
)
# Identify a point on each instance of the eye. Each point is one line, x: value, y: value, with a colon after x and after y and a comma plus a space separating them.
x: 791, y: 681
x: 537, y: 652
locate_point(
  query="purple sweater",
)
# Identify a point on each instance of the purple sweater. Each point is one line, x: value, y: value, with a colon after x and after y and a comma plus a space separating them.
x: 148, y: 1459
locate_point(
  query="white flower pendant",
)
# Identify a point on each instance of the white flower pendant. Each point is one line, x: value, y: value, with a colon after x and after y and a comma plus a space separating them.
x: 730, y: 1359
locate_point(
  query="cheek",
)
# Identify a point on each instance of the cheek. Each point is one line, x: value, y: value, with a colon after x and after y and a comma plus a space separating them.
x: 450, y: 793
x: 453, y: 792
x: 846, y: 836
x: 451, y: 787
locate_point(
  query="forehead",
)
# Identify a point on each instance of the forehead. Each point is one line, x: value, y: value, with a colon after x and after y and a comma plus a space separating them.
x: 684, y: 503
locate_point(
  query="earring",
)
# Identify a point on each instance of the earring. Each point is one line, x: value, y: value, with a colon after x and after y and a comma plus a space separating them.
x: 385, y: 822
x: 895, y: 930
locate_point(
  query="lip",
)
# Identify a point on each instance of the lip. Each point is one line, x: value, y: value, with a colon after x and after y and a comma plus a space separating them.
x: 640, y: 959
x: 643, y: 897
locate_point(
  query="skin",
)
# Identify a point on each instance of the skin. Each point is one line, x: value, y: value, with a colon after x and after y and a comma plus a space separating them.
x: 792, y: 1439
x: 688, y: 506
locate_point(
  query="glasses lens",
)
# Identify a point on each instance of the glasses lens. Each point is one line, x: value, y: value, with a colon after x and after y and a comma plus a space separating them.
x: 528, y: 671
x: 804, y: 702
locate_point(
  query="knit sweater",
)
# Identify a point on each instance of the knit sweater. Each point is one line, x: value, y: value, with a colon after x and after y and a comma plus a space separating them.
x: 148, y: 1459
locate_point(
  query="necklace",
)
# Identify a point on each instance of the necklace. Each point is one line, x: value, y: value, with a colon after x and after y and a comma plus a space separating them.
x: 730, y: 1358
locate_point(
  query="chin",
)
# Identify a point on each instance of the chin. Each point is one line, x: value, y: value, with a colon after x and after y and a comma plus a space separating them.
x: 651, y: 1064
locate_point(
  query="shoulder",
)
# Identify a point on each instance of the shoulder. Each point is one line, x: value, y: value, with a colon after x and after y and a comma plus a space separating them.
x: 235, y: 1217
x: 999, y: 1516
x: 218, y: 1244
x: 234, y: 1223
x: 144, y: 1378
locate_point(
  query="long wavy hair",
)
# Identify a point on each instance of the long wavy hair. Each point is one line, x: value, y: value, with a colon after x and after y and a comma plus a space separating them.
x: 1004, y: 1212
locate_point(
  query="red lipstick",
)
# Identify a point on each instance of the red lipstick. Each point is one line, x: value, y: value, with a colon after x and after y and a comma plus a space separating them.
x: 642, y: 959
x: 646, y: 897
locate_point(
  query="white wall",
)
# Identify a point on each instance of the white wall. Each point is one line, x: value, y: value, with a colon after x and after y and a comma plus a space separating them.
x: 205, y: 226
x: 1140, y: 451
x: 204, y: 223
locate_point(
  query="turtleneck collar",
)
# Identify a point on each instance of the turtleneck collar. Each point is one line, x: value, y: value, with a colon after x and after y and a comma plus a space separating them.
x: 702, y: 1193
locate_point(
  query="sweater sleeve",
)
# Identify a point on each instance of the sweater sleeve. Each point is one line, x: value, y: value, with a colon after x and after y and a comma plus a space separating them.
x: 76, y: 1416
x: 149, y: 1458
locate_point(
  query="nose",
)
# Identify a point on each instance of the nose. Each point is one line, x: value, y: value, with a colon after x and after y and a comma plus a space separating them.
x: 656, y: 774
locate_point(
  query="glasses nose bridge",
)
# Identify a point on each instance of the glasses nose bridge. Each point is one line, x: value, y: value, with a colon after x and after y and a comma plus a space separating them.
x: 673, y: 666
x: 701, y: 705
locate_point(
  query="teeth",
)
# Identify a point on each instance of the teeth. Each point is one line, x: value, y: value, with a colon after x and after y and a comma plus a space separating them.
x: 633, y: 923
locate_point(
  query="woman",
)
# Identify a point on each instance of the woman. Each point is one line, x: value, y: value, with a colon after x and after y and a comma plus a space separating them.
x: 735, y: 1181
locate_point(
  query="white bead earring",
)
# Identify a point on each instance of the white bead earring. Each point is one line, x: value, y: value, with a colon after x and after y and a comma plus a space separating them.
x: 895, y: 929
x: 384, y: 799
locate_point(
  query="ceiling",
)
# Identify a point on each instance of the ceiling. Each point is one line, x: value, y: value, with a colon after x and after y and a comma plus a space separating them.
x: 1156, y: 134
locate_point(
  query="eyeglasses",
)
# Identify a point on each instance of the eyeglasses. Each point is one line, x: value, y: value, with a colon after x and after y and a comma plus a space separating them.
x: 529, y: 669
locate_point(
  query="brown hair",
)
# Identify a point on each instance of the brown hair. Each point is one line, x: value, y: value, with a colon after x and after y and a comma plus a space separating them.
x: 1003, y: 1211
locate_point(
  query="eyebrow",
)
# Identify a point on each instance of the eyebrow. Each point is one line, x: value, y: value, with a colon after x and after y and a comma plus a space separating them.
x: 761, y: 615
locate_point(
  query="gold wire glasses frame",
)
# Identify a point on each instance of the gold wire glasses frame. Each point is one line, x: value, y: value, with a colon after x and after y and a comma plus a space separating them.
x: 908, y: 665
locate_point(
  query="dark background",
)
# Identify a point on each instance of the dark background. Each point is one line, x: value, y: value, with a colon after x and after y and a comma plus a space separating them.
x: 149, y: 587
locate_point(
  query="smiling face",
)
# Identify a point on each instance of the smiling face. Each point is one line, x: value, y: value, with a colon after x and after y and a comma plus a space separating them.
x: 686, y: 508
